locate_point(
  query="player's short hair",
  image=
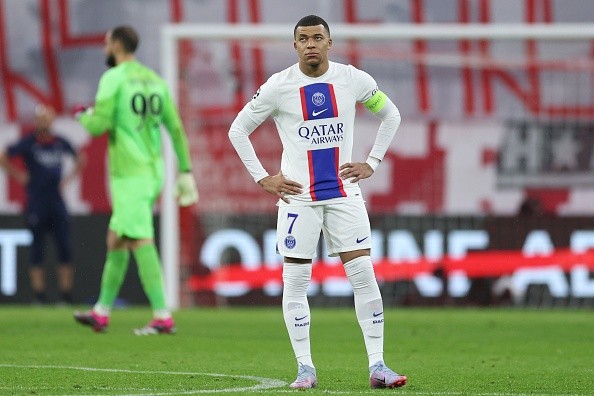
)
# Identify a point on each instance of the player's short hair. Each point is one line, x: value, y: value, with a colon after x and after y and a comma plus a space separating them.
x: 127, y: 36
x: 311, y: 20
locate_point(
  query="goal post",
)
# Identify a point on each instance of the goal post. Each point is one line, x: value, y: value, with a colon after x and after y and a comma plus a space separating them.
x: 173, y: 34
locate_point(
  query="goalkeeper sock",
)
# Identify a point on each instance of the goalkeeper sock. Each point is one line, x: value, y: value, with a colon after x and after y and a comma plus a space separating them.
x: 368, y: 306
x: 114, y: 272
x: 296, y: 279
x: 151, y: 277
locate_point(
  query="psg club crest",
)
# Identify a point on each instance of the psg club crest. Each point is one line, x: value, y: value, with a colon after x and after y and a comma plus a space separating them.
x: 318, y: 98
x: 318, y: 101
x: 290, y: 242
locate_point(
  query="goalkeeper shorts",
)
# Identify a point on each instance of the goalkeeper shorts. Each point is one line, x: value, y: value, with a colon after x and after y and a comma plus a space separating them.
x: 133, y: 199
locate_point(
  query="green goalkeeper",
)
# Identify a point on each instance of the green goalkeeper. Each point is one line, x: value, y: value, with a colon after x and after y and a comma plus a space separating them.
x: 132, y: 102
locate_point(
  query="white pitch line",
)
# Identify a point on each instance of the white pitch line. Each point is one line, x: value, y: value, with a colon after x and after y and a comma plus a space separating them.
x: 263, y: 383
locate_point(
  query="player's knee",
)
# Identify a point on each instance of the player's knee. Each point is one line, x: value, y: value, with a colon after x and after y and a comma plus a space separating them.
x: 296, y: 278
x: 361, y: 275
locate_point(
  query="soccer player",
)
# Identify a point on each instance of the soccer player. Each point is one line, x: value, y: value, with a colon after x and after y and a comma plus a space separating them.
x: 313, y: 105
x: 131, y: 103
x: 43, y: 153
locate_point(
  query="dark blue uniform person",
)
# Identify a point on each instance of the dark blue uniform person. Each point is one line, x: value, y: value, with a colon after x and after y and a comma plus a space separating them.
x: 43, y: 154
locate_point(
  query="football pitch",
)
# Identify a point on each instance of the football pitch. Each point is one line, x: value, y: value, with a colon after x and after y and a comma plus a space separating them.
x: 449, y: 351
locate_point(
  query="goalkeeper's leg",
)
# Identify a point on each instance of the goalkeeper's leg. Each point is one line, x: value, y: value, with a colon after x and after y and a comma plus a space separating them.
x: 151, y: 277
x: 114, y: 272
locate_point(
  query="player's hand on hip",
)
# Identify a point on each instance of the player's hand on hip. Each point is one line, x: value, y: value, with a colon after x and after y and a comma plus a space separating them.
x: 185, y: 189
x: 280, y: 186
x: 355, y: 171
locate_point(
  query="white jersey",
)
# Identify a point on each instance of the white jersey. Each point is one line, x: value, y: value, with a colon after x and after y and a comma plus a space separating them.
x: 315, y: 120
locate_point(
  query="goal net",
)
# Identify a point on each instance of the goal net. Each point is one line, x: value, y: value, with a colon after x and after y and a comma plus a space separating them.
x: 488, y: 112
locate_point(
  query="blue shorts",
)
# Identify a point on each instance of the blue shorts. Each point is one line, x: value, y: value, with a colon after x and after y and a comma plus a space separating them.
x: 45, y: 216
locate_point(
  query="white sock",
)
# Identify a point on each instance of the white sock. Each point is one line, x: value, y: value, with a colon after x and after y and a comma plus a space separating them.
x: 101, y: 309
x: 296, y: 278
x: 368, y: 306
x: 162, y: 314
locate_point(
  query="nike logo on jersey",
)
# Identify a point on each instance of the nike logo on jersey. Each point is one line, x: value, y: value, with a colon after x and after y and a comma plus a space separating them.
x: 375, y: 315
x: 298, y: 319
x: 362, y: 239
x: 317, y: 113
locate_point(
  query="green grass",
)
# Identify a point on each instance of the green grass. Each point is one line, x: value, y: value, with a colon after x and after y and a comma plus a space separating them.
x: 442, y: 351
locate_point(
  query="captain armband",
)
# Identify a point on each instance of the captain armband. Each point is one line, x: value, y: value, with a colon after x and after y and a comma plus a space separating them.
x: 376, y: 102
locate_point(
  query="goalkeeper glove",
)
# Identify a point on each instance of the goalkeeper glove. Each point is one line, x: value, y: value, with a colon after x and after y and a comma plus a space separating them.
x: 78, y: 110
x: 185, y: 189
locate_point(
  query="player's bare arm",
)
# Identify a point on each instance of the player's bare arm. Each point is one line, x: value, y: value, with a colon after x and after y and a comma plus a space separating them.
x: 280, y: 186
x: 355, y: 171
